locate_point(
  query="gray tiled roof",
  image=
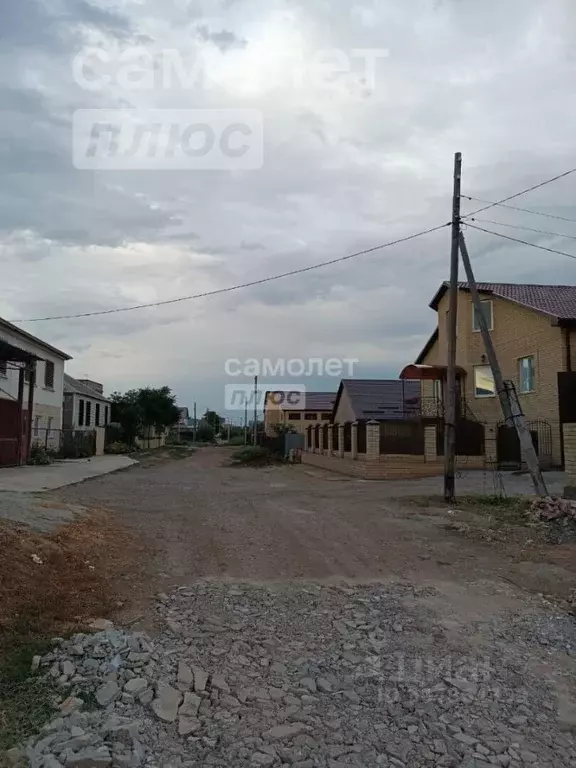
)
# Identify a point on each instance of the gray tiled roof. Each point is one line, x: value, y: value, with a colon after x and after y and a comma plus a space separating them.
x: 381, y: 399
x: 315, y: 401
x: 73, y: 386
x: 555, y: 300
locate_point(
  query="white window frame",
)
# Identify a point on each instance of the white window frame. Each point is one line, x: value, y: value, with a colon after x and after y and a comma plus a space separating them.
x: 526, y: 391
x: 491, y: 323
x: 481, y: 396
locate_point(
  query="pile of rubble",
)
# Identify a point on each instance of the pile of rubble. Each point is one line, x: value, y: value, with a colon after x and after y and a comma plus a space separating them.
x: 301, y: 676
x: 552, y: 508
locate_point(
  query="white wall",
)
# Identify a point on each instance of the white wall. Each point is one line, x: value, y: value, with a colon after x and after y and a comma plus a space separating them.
x: 47, y: 402
x: 76, y: 410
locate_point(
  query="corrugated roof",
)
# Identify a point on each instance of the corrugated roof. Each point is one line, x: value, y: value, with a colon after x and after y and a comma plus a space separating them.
x: 34, y: 339
x: 314, y: 401
x: 381, y: 399
x: 73, y: 386
x: 558, y: 301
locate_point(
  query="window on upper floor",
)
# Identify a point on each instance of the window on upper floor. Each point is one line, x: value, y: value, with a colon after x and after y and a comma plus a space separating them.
x: 80, y: 413
x: 49, y: 374
x: 294, y: 417
x: 97, y: 415
x: 527, y: 374
x: 88, y: 412
x: 3, y: 368
x: 105, y: 415
x: 484, y: 385
x: 488, y: 311
x: 310, y: 417
x: 325, y: 416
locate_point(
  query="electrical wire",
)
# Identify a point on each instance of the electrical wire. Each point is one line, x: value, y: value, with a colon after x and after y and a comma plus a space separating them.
x: 515, y: 208
x: 524, y: 191
x: 242, y: 285
x: 528, y: 229
x: 523, y: 242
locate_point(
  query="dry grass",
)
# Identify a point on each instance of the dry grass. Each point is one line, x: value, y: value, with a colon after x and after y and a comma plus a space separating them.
x: 50, y: 585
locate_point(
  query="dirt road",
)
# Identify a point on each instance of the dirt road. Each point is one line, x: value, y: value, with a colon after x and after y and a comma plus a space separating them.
x: 203, y: 518
x: 304, y: 619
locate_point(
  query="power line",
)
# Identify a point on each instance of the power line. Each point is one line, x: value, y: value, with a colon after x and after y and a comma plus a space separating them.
x: 528, y: 229
x: 515, y: 208
x: 523, y: 242
x: 524, y: 191
x: 242, y: 285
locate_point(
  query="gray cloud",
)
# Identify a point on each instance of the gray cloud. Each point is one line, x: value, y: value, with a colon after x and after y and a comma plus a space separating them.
x: 346, y: 166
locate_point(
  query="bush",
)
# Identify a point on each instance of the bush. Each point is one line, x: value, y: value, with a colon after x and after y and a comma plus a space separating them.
x: 119, y: 448
x: 251, y: 455
x: 39, y: 455
x: 237, y: 440
x: 204, y: 434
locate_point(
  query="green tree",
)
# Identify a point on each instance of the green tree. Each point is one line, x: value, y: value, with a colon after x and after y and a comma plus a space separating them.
x: 215, y: 421
x: 158, y: 407
x: 126, y: 411
x: 140, y: 410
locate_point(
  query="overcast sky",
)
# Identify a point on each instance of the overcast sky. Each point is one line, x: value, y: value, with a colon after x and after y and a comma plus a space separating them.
x: 350, y: 161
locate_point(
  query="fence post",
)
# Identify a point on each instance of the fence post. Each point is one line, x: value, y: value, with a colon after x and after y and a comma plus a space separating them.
x: 430, y: 453
x: 373, y: 440
x: 341, y: 441
x: 570, y: 460
x: 330, y: 440
x: 354, y: 439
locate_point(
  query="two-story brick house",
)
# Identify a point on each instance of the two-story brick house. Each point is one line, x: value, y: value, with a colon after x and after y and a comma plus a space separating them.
x: 533, y: 328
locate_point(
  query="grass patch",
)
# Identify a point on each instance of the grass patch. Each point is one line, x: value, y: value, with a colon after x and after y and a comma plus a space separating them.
x: 501, y: 510
x: 26, y: 699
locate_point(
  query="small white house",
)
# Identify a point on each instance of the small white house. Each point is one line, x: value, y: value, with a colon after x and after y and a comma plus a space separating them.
x: 48, y: 390
x: 24, y: 408
x: 85, y: 406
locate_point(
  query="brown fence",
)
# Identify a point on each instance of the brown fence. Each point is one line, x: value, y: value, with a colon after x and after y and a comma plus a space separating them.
x: 402, y: 437
x: 347, y: 437
x: 470, y: 438
x: 361, y: 432
x: 335, y: 437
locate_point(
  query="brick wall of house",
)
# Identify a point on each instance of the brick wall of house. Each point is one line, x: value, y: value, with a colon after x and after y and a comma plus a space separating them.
x: 517, y: 332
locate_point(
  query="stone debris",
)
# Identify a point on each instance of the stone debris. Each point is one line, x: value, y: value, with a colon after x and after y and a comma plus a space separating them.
x: 552, y: 508
x: 304, y: 677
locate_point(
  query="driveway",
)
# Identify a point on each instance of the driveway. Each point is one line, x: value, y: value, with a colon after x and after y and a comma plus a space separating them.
x: 304, y: 619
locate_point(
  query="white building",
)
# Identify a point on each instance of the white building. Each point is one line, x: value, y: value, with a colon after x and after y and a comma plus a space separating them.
x: 48, y: 390
x: 24, y: 358
x: 85, y: 406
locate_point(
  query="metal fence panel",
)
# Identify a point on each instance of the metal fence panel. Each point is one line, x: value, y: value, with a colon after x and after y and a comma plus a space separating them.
x: 402, y: 437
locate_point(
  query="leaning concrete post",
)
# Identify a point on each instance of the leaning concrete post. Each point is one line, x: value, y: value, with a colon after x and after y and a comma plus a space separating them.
x: 373, y: 441
x: 354, y: 432
x: 341, y: 440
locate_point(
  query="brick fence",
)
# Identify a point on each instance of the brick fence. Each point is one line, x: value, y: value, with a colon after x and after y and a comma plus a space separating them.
x: 374, y: 465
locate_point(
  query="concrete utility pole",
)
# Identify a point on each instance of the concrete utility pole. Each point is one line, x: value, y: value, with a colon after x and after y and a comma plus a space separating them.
x: 255, y: 439
x: 195, y: 425
x: 505, y: 389
x: 246, y: 421
x: 450, y: 404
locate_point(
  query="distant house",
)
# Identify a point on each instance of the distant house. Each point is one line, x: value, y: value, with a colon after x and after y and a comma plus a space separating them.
x: 533, y: 329
x: 85, y: 406
x: 24, y: 358
x: 376, y: 399
x: 312, y: 408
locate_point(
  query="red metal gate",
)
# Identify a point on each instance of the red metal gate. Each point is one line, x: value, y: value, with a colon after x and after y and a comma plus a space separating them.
x: 12, y: 433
